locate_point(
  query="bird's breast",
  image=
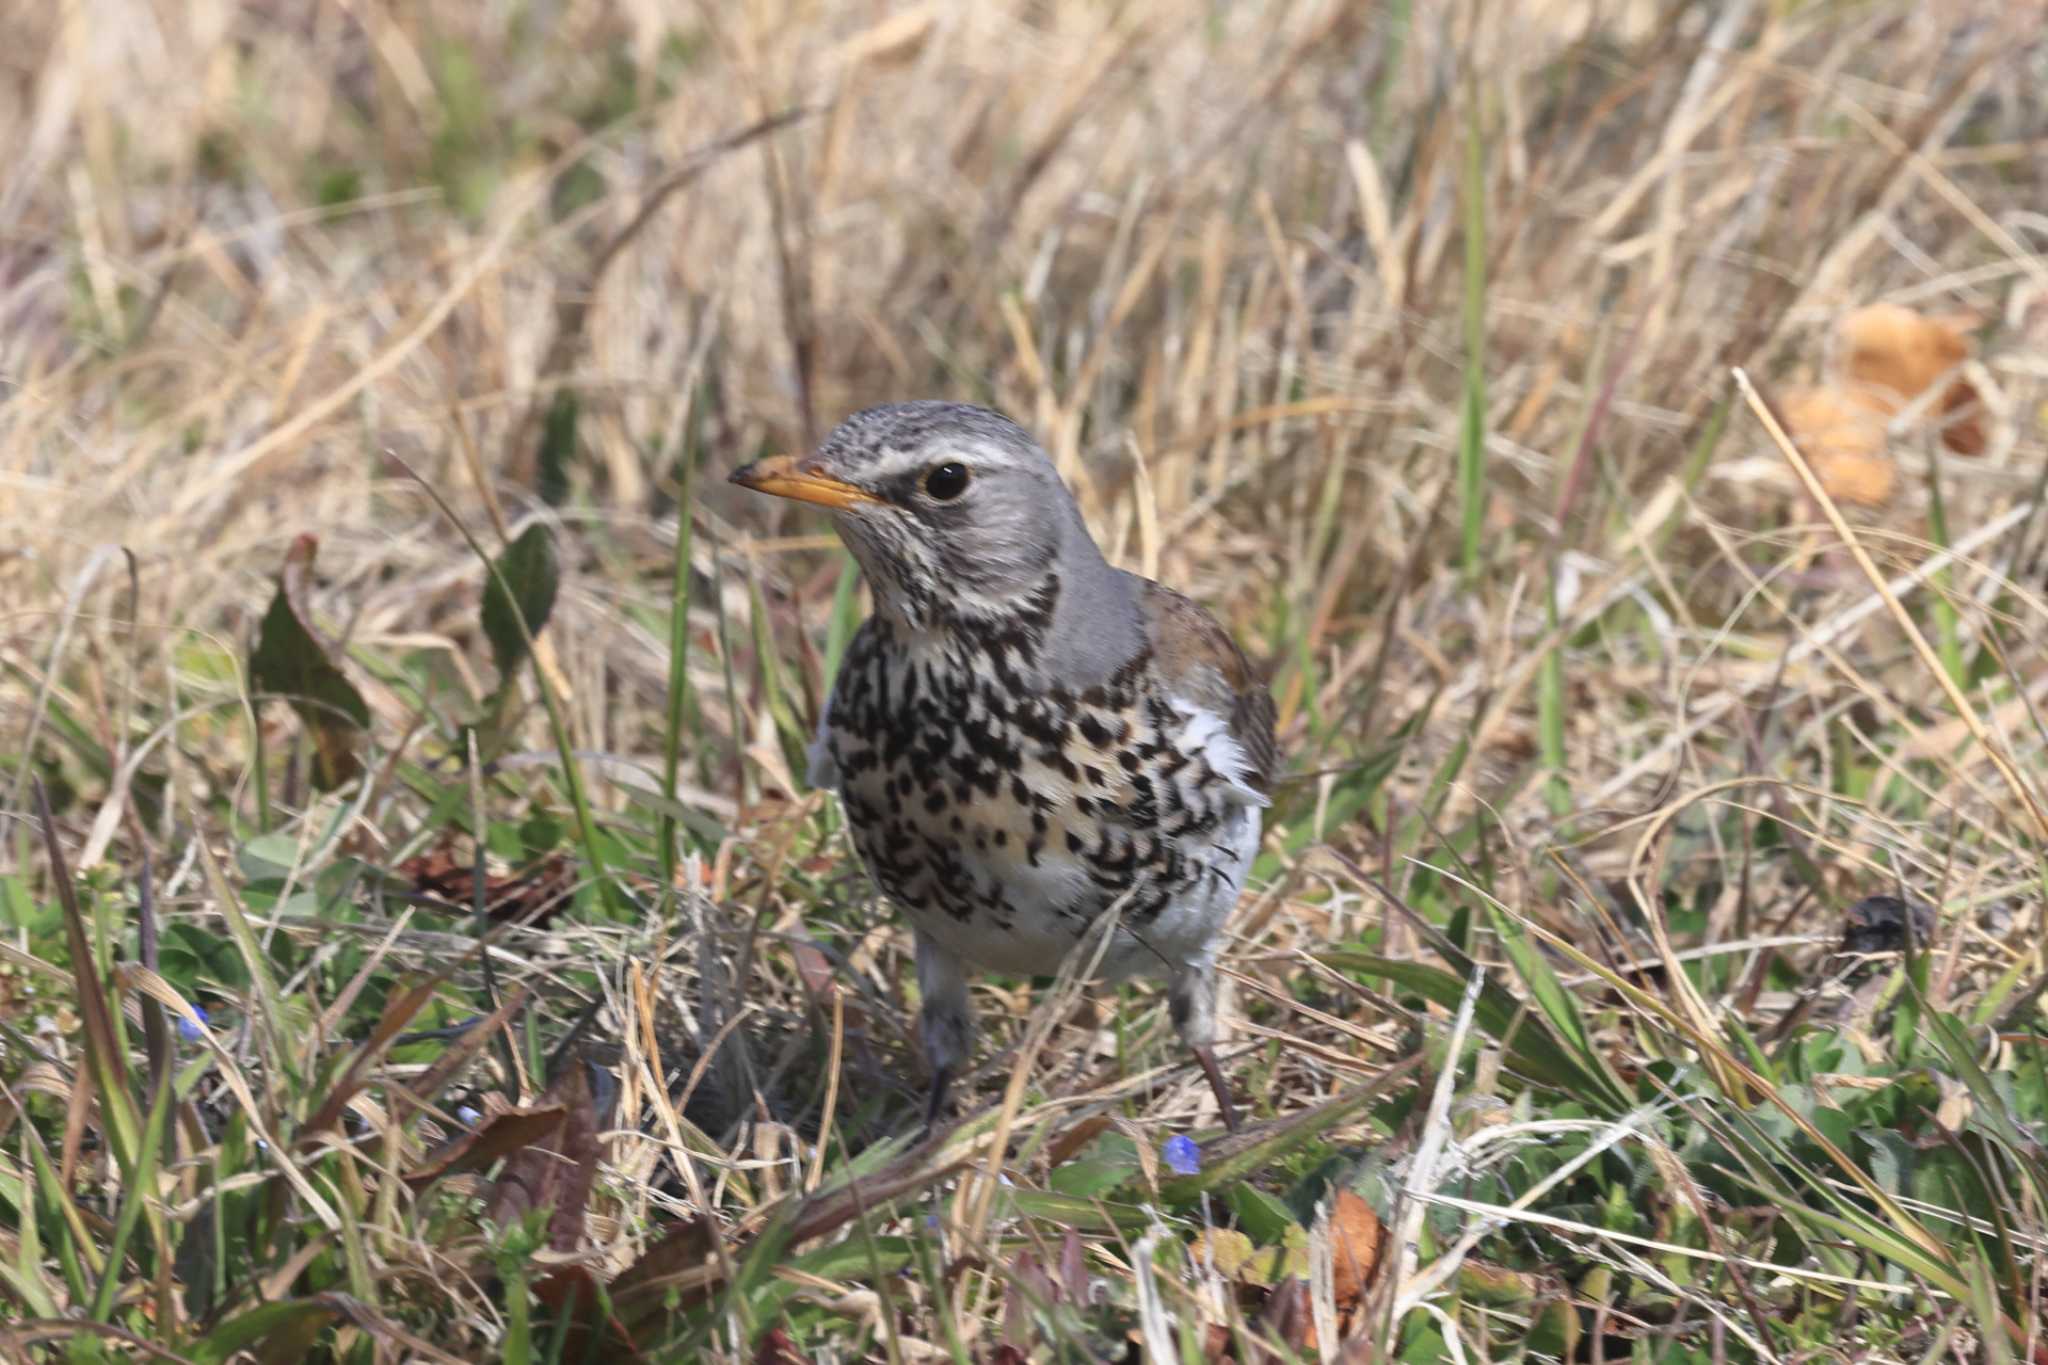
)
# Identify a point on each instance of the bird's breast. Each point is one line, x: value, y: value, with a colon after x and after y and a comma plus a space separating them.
x: 1004, y: 813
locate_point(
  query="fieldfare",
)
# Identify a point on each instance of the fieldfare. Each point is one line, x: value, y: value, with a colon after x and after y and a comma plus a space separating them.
x: 1023, y: 736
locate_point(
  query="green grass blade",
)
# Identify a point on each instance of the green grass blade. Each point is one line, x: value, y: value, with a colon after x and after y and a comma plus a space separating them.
x: 1472, y: 415
x: 136, y: 1191
x: 678, y: 699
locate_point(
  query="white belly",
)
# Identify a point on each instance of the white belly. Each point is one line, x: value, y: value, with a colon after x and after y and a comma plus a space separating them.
x: 1036, y: 944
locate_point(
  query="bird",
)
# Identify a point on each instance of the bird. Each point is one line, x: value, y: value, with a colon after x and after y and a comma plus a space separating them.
x: 1022, y: 736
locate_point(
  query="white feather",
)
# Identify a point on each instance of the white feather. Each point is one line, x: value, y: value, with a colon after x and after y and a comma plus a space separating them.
x: 1208, y: 734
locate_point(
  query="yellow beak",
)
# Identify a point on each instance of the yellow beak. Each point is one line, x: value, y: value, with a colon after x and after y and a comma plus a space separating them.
x: 781, y: 476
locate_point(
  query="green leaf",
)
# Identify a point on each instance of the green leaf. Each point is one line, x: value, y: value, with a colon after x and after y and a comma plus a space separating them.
x: 135, y: 1190
x: 292, y: 659
x: 557, y: 448
x: 1265, y: 1218
x: 1094, y: 1175
x: 522, y: 586
x: 1472, y: 487
x: 1099, y: 1216
x: 1532, y: 1049
x: 276, y: 1325
x: 1556, y: 1004
x: 1239, y: 1157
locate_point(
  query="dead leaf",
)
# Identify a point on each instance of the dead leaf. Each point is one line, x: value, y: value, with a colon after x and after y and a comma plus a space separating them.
x: 813, y: 968
x: 499, y: 1135
x: 891, y: 42
x: 1897, y: 351
x: 1897, y: 354
x: 1074, y: 1267
x: 1955, y: 1107
x: 1028, y: 1289
x: 572, y: 1291
x: 533, y: 897
x: 1069, y: 1143
x: 680, y: 1270
x: 1842, y: 435
x: 556, y: 1169
x: 1962, y: 426
x: 1356, y: 1239
x: 1289, y: 1316
x: 777, y: 1349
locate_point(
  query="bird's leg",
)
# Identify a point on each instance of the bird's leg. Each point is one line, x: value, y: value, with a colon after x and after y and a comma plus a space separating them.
x: 1205, y: 1053
x: 1191, y: 1000
x: 935, y: 1100
x: 945, y: 1022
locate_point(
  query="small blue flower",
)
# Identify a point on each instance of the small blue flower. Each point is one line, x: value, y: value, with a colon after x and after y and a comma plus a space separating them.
x: 1183, y: 1156
x: 188, y: 1030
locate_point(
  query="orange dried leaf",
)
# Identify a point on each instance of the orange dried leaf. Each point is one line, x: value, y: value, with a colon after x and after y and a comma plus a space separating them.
x: 1844, y: 440
x: 1356, y: 1240
x: 1896, y: 354
x: 1899, y: 352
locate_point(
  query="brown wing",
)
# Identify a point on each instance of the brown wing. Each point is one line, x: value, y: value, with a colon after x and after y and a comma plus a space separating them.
x: 1198, y: 657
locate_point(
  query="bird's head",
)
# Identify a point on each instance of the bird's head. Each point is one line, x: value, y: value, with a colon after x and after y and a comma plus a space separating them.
x: 953, y: 511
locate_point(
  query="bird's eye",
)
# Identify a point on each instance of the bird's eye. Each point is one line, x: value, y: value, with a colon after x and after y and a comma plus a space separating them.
x: 947, y: 481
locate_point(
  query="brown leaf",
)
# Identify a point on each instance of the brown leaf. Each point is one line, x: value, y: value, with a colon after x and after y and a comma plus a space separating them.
x: 814, y: 969
x: 555, y: 1170
x: 1356, y: 1239
x: 1068, y: 1144
x: 532, y: 897
x: 1896, y: 354
x: 1288, y: 1315
x: 1842, y: 435
x: 580, y: 1152
x: 1073, y: 1267
x: 573, y: 1291
x: 499, y: 1135
x: 1962, y: 420
x: 103, y: 1044
x: 399, y: 1010
x: 434, y: 872
x: 1028, y: 1289
x: 684, y: 1261
x: 777, y: 1349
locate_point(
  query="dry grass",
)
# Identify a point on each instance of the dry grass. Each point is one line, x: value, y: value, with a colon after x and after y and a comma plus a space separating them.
x: 1574, y: 675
